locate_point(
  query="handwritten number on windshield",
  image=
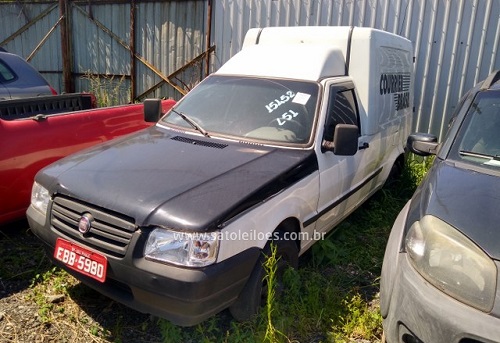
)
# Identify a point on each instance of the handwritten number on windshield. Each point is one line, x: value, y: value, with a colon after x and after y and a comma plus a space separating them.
x: 273, y: 105
x: 287, y: 117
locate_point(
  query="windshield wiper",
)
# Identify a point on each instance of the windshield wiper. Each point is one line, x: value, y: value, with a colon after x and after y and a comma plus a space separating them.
x: 191, y: 122
x: 480, y: 155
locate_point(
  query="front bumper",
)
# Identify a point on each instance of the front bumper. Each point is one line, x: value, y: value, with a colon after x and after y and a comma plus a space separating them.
x: 185, y: 296
x: 415, y: 311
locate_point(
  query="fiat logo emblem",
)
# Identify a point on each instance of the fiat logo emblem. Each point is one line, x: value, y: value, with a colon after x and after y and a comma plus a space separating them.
x: 85, y: 223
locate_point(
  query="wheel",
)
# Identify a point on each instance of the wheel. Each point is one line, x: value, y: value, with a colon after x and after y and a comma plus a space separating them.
x: 396, y: 171
x: 254, y: 293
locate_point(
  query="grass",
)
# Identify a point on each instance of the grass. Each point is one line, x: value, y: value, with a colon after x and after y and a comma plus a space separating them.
x: 108, y: 90
x: 332, y: 297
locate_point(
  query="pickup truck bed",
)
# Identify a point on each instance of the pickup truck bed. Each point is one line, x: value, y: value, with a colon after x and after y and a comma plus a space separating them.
x: 33, y: 136
x: 45, y: 105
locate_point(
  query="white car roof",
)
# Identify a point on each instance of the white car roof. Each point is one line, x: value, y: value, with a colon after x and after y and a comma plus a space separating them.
x: 316, y: 61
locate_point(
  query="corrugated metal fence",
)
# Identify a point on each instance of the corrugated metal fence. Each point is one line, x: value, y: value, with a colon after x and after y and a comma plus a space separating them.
x: 455, y: 41
x: 113, y: 44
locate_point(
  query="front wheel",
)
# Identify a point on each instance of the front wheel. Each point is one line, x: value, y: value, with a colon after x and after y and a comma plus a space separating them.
x: 254, y: 293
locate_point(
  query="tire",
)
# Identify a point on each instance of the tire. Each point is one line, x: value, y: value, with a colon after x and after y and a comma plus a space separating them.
x: 253, y: 295
x: 396, y: 171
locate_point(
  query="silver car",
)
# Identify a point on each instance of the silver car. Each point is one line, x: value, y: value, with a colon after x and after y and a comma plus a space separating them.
x: 18, y: 79
x: 440, y: 280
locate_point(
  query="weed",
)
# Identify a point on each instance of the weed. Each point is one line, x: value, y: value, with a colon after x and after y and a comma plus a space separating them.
x: 170, y: 332
x: 118, y: 327
x: 292, y: 283
x: 326, y: 252
x: 95, y: 330
x: 108, y: 90
x: 208, y: 331
x: 271, y: 267
x: 17, y: 253
x: 359, y: 321
x: 50, y: 282
x: 416, y: 170
x: 241, y: 333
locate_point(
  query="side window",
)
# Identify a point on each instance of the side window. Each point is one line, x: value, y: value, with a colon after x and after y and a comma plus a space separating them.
x: 6, y: 74
x: 341, y: 110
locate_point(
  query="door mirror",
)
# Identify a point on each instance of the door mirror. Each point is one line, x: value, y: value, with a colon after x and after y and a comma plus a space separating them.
x: 152, y: 110
x: 345, y: 140
x: 423, y: 144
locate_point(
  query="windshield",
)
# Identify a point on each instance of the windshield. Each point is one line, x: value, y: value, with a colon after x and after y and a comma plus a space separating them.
x: 478, y: 140
x: 271, y: 110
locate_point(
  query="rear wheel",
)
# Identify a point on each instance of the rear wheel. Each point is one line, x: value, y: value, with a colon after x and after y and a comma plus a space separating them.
x: 253, y: 295
x: 396, y: 170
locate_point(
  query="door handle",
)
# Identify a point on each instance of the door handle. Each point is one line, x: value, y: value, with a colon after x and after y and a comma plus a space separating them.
x: 363, y: 146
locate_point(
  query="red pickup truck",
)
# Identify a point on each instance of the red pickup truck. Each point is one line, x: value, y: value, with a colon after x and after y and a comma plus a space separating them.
x: 38, y: 131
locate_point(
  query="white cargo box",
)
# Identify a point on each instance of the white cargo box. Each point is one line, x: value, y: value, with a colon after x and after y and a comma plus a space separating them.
x: 380, y: 63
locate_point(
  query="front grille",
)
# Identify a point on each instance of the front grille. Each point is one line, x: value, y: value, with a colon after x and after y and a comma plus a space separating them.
x: 110, y: 232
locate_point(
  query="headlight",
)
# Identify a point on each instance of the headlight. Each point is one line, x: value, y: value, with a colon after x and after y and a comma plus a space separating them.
x: 40, y: 198
x: 452, y: 263
x: 184, y: 249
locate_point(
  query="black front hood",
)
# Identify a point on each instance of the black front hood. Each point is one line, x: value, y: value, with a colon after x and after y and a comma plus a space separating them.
x: 466, y: 199
x: 162, y: 178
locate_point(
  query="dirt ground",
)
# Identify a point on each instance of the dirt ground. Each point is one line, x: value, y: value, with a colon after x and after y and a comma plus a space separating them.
x: 35, y: 307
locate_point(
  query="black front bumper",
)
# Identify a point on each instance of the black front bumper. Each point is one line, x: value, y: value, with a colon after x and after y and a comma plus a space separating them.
x: 184, y: 296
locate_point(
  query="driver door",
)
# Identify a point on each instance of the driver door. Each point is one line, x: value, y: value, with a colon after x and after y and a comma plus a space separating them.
x: 345, y: 181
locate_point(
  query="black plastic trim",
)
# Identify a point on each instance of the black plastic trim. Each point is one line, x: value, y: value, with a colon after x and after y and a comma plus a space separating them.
x: 339, y: 201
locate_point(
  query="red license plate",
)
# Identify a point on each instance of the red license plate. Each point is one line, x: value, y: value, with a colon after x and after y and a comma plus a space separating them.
x: 82, y: 260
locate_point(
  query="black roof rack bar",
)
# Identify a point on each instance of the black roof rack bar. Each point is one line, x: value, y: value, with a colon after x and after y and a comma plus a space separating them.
x: 490, y: 80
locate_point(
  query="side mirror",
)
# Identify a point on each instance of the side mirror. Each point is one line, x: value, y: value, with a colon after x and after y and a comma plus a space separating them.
x: 345, y: 140
x: 422, y: 144
x: 152, y: 110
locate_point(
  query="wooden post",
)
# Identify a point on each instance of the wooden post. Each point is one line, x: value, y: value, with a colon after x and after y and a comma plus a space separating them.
x: 209, y: 38
x: 133, y: 91
x: 69, y: 86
